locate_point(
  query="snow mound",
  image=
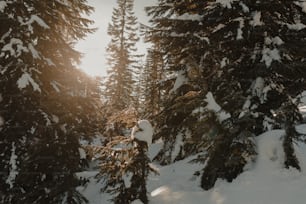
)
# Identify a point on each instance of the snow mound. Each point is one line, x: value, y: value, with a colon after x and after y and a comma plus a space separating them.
x: 265, y: 182
x: 143, y: 131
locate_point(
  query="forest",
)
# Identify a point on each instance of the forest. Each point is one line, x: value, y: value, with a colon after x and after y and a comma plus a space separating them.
x: 213, y: 113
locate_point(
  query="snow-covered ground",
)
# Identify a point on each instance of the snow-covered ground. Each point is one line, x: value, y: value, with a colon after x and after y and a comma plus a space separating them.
x: 263, y: 182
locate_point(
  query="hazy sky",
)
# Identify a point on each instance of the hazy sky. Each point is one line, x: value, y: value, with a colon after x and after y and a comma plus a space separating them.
x: 94, y: 45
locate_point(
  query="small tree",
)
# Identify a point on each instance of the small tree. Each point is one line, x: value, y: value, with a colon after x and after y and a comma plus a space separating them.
x: 124, y: 169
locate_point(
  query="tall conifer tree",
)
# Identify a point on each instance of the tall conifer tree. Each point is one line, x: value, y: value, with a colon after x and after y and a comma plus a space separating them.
x: 247, y: 58
x: 152, y: 77
x: 177, y: 33
x: 121, y: 56
x: 42, y: 106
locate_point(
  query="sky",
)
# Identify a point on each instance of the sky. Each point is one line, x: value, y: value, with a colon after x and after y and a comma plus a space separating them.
x: 94, y: 45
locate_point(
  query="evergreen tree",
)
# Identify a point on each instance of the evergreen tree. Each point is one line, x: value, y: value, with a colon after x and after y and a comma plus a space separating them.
x: 177, y: 33
x: 152, y: 79
x: 258, y: 63
x: 124, y: 168
x: 42, y: 105
x: 121, y: 56
x: 251, y: 65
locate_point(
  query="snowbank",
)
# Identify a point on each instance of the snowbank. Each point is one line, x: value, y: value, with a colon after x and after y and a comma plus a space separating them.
x: 265, y: 182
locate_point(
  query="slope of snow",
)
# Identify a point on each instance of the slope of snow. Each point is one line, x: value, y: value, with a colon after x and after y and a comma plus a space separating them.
x: 92, y: 190
x: 266, y: 181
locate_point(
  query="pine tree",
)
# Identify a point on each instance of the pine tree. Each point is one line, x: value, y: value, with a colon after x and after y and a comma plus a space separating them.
x: 248, y: 60
x: 124, y: 169
x: 42, y: 105
x: 180, y: 42
x: 121, y: 56
x: 152, y: 79
x: 258, y: 62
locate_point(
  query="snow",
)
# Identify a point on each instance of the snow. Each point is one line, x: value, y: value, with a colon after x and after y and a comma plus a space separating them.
x: 3, y: 4
x: 63, y: 128
x: 256, y: 19
x: 155, y: 148
x: 224, y: 62
x: 13, y: 167
x: 64, y: 2
x: 143, y: 131
x: 33, y: 51
x: 180, y: 80
x: 268, y: 56
x: 55, y: 84
x: 127, y: 180
x: 302, y: 5
x: 276, y: 41
x: 239, y: 30
x: 178, y: 145
x: 301, y: 128
x: 266, y: 181
x: 218, y: 27
x: 137, y: 202
x: 244, y: 7
x: 16, y: 52
x: 5, y: 35
x: 92, y: 191
x: 245, y: 107
x: 25, y: 80
x: 214, y: 106
x: 49, y: 62
x: 82, y: 153
x: 32, y: 130
x: 55, y: 119
x: 226, y: 3
x: 191, y: 17
x: 36, y: 19
x: 259, y: 85
x: 205, y: 38
x: 297, y: 26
